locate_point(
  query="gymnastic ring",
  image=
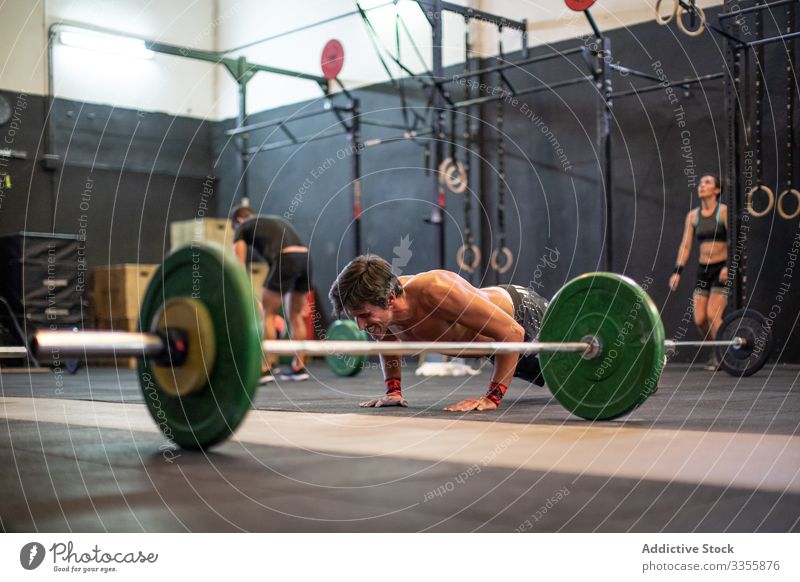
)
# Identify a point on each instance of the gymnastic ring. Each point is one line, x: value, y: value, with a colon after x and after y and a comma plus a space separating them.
x: 454, y: 175
x: 443, y: 167
x: 664, y: 21
x: 457, y: 181
x: 749, y: 200
x: 509, y: 258
x: 779, y: 204
x: 700, y: 29
x: 462, y: 252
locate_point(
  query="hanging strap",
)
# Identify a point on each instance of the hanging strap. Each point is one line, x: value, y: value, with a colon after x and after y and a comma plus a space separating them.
x: 468, y: 256
x: 501, y: 265
x: 758, y: 131
x: 790, y: 95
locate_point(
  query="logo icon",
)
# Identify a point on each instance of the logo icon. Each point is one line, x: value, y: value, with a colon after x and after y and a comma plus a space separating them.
x: 31, y: 555
x: 402, y: 255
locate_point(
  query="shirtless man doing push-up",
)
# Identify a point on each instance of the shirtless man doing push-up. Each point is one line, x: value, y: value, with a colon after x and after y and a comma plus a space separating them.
x: 439, y: 306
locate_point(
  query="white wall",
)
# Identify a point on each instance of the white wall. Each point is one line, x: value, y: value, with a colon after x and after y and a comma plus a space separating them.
x: 549, y: 21
x: 301, y: 51
x: 22, y: 50
x: 164, y: 83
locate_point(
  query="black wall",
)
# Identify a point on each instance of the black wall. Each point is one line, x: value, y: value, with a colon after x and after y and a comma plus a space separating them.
x: 119, y: 179
x: 662, y: 143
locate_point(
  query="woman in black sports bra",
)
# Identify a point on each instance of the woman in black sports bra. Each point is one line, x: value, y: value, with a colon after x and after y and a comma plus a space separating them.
x: 707, y: 223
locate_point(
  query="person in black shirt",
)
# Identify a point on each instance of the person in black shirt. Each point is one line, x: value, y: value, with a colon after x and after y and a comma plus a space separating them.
x: 288, y: 282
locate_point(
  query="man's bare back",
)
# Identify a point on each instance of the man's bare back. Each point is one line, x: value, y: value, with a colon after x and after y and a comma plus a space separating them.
x: 427, y: 293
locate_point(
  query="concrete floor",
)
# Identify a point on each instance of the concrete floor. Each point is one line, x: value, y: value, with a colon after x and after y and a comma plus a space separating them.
x: 706, y: 453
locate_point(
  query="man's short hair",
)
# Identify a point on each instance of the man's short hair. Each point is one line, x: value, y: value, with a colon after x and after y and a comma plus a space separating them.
x: 367, y: 279
x: 241, y: 213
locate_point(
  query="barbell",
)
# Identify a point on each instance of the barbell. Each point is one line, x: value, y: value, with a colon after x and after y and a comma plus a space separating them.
x: 200, y: 347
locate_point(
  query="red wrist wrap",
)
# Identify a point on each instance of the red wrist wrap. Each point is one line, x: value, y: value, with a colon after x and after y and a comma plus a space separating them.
x: 392, y: 386
x: 496, y: 392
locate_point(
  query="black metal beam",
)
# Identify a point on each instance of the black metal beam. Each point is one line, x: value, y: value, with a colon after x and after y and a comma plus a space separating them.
x: 300, y: 141
x: 412, y: 134
x: 634, y: 72
x: 180, y: 51
x: 720, y: 31
x: 733, y: 108
x: 605, y: 115
x: 193, y: 53
x: 347, y: 93
x: 524, y: 38
x: 508, y: 65
x: 528, y: 91
x: 428, y: 6
x: 303, y: 28
x: 772, y: 39
x: 243, y: 77
x: 275, y: 122
x: 356, y: 147
x: 376, y: 123
x: 593, y: 24
x: 437, y: 123
x: 221, y: 59
x: 253, y: 67
x: 681, y: 83
x: 725, y: 15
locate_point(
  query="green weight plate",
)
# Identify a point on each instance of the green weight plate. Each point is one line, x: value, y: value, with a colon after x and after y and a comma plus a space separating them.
x: 212, y: 275
x: 621, y: 315
x: 345, y: 329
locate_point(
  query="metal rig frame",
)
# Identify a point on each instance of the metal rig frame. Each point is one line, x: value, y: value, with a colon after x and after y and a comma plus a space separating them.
x: 737, y: 103
x: 350, y: 118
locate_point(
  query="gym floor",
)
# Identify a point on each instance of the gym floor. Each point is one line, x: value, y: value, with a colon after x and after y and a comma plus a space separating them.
x: 706, y: 453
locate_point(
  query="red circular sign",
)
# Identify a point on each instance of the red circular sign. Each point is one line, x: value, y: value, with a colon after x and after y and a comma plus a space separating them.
x: 332, y: 59
x: 579, y: 5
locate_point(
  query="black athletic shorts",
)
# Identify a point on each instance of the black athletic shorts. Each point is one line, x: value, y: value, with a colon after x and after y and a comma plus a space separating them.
x: 290, y: 272
x: 708, y: 279
x: 529, y: 308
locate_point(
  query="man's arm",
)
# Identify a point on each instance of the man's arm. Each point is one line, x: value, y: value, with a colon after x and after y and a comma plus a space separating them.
x: 391, y: 377
x: 391, y: 367
x: 454, y: 299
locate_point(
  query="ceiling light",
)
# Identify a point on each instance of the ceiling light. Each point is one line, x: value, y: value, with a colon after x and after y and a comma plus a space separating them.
x: 119, y: 45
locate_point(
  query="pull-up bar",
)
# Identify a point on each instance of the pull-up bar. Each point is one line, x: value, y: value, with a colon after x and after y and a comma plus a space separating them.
x: 510, y: 64
x: 284, y: 120
x: 527, y: 91
x: 756, y: 8
x: 665, y: 84
x: 428, y: 8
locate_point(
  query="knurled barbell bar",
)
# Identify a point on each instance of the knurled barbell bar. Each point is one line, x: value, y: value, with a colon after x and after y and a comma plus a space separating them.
x: 200, y: 347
